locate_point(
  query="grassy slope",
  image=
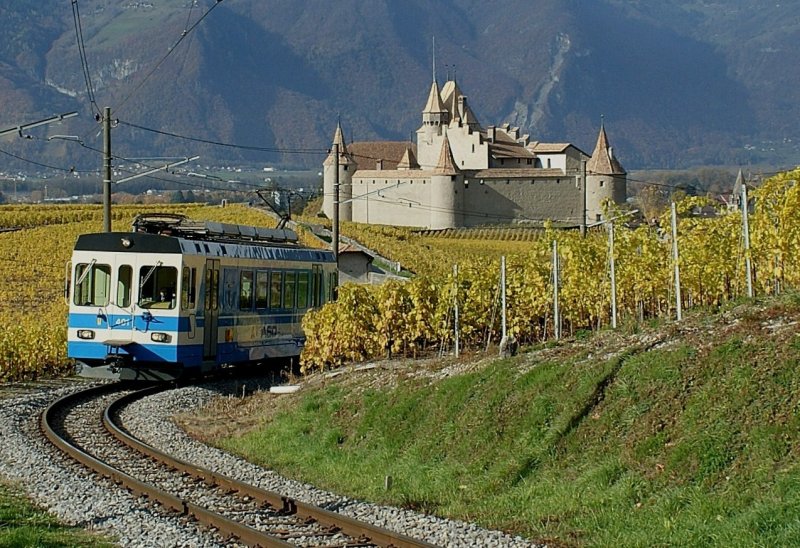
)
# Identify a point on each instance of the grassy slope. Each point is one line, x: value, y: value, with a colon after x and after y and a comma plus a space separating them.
x: 21, y: 524
x: 683, y: 435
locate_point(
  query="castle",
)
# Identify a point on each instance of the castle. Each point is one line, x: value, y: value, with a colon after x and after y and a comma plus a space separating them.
x: 460, y: 174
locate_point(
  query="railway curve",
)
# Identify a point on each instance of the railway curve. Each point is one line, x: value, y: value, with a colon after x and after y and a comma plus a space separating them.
x: 253, y: 516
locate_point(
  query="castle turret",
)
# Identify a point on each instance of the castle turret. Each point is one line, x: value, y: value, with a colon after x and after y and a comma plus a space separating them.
x: 446, y: 201
x: 606, y: 179
x: 346, y: 168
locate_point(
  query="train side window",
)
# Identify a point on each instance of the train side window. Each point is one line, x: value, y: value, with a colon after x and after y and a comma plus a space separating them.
x: 188, y: 288
x: 124, y: 280
x: 276, y: 289
x: 302, y: 289
x: 262, y: 289
x: 246, y: 290
x: 92, y: 284
x: 288, y: 289
x: 157, y: 286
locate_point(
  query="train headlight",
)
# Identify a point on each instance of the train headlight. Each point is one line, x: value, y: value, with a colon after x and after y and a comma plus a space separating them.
x: 160, y: 337
x: 85, y: 334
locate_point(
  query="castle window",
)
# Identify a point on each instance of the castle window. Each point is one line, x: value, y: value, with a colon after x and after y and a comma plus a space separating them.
x: 548, y: 163
x: 345, y: 168
x: 473, y: 147
x: 529, y: 161
x: 602, y: 184
x: 452, y: 177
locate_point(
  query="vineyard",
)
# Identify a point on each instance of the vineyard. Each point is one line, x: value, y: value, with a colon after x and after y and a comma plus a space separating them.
x: 32, y: 269
x: 418, y: 316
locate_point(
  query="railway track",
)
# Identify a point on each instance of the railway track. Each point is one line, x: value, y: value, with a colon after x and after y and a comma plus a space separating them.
x: 85, y: 425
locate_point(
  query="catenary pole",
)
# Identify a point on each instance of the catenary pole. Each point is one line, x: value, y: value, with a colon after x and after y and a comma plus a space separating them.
x: 107, y: 169
x: 335, y: 239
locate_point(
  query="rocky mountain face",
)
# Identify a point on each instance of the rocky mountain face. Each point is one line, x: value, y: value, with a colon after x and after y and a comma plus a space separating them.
x: 678, y: 82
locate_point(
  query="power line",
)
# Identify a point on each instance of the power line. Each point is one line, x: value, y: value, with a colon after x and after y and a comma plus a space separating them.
x: 87, y: 77
x: 229, y: 145
x: 57, y: 168
x: 183, y: 35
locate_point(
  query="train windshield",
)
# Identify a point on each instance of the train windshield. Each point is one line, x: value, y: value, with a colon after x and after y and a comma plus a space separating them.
x: 92, y: 284
x: 157, y: 286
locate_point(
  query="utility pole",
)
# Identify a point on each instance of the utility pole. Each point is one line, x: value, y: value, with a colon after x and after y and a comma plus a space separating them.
x: 107, y: 169
x: 335, y: 239
x: 746, y: 232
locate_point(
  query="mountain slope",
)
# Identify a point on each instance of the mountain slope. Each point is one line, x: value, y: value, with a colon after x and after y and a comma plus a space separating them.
x: 680, y: 82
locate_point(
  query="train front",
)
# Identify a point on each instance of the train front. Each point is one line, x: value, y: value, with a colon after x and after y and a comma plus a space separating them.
x: 124, y: 307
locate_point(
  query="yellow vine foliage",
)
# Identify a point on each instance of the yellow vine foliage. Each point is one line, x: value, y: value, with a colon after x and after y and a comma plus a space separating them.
x: 418, y: 315
x: 711, y: 262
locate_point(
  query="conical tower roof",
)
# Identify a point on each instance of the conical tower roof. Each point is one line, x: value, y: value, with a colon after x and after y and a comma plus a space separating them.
x: 446, y: 164
x: 603, y: 161
x: 338, y: 139
x: 737, y: 186
x: 408, y: 161
x: 434, y: 104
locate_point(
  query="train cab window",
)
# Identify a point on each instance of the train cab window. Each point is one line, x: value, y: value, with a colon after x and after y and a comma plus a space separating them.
x: 92, y: 284
x: 288, y: 289
x: 275, y: 289
x: 262, y: 289
x: 302, y: 290
x: 246, y: 290
x: 157, y: 286
x: 124, y: 281
x: 188, y: 288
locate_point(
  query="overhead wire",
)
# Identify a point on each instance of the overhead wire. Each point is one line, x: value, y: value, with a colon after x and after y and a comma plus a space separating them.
x: 228, y: 145
x: 184, y: 34
x: 87, y: 76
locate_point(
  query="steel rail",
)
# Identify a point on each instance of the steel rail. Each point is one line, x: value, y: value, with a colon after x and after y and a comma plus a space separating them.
x: 226, y: 526
x: 350, y: 526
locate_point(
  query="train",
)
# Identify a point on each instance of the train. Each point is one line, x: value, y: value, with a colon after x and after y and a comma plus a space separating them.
x: 176, y: 298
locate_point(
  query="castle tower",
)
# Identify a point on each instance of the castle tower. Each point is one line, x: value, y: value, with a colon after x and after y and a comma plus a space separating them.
x: 447, y: 191
x: 606, y: 179
x: 346, y: 168
x: 435, y: 118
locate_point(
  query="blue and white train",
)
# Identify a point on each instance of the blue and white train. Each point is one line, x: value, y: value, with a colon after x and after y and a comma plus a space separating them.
x: 175, y: 298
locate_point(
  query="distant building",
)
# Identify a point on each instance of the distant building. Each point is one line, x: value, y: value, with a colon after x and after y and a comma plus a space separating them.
x: 460, y: 174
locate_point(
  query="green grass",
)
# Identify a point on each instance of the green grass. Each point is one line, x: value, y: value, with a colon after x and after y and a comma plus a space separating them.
x: 22, y: 524
x: 692, y: 444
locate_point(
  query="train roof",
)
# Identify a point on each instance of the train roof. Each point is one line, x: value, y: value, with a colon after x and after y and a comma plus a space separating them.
x: 170, y: 224
x: 138, y: 242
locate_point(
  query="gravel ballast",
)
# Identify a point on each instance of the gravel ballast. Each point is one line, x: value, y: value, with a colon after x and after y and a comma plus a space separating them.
x: 78, y: 498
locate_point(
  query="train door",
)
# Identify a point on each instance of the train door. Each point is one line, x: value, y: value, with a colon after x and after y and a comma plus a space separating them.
x: 211, y: 309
